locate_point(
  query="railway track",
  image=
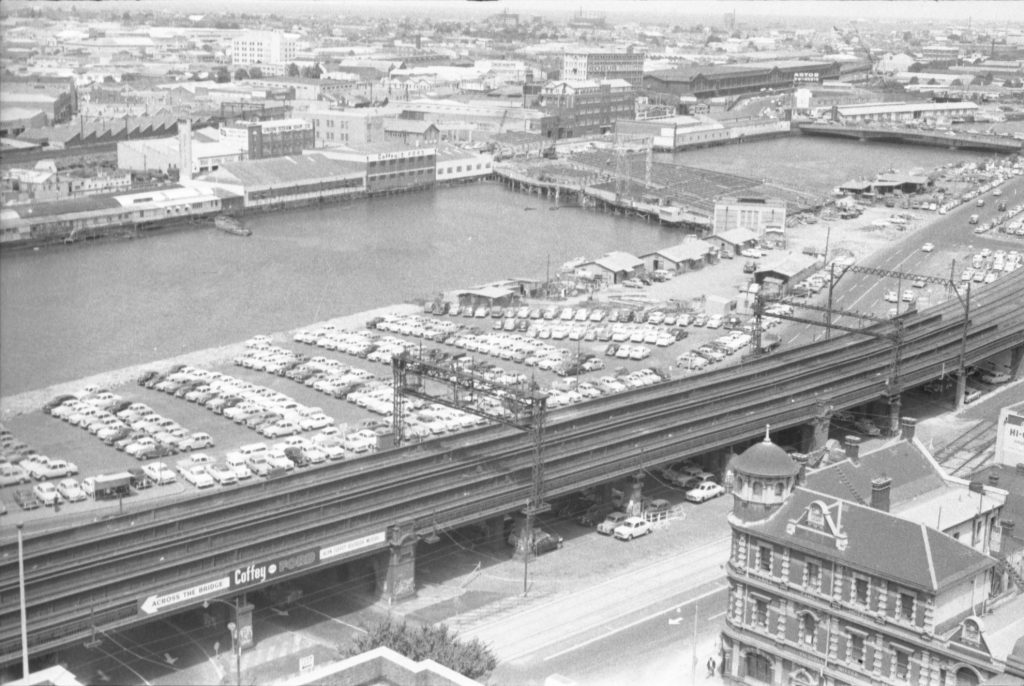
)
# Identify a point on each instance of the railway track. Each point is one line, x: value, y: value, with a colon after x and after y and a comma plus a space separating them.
x: 107, y: 567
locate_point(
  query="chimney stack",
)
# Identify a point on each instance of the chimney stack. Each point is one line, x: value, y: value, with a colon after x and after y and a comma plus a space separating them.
x: 909, y: 427
x: 852, y: 448
x: 880, y: 489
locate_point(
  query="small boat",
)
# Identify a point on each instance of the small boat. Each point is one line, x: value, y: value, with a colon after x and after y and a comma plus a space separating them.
x: 229, y: 224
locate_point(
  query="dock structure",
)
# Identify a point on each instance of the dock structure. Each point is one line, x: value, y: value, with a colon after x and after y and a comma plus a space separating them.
x: 942, y: 139
x: 670, y: 194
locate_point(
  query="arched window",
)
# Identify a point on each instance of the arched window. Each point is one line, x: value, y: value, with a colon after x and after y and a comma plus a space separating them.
x: 759, y: 668
x: 808, y: 629
x: 758, y: 489
x: 739, y: 483
x: 778, y: 489
x: 966, y: 677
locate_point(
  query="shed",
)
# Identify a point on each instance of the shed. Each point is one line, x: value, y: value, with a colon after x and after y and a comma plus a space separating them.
x: 686, y: 256
x: 788, y: 268
x: 613, y: 267
x: 486, y: 296
x: 733, y: 240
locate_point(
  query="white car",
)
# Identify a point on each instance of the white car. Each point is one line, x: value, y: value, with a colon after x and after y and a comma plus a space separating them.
x: 705, y: 491
x: 159, y: 472
x: 47, y: 493
x: 222, y: 474
x: 70, y: 490
x: 197, y: 476
x: 313, y: 422
x: 631, y: 528
x: 40, y: 467
x: 927, y: 247
x: 195, y: 441
x: 892, y: 297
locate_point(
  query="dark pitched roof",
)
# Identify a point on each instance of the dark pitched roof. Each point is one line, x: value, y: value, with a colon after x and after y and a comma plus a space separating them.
x: 911, y: 472
x: 876, y: 542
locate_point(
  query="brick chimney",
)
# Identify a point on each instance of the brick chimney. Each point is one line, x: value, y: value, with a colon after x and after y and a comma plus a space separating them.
x: 880, y: 489
x: 851, y: 445
x: 909, y: 427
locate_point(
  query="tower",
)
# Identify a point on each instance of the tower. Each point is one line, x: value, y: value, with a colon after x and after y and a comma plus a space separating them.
x: 764, y: 476
x: 184, y: 149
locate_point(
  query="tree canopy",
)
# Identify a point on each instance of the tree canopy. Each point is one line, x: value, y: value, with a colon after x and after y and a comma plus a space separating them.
x: 437, y: 643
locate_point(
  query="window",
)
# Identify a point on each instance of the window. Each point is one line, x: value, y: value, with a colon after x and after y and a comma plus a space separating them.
x: 761, y: 613
x: 901, y: 665
x: 813, y: 578
x: 808, y: 629
x: 759, y: 668
x: 855, y: 652
x: 860, y: 590
x: 764, y: 559
x: 778, y: 489
x: 907, y: 607
x: 758, y: 489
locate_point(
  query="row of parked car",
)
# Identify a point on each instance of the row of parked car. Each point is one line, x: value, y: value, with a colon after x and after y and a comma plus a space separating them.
x: 270, y: 413
x: 132, y: 427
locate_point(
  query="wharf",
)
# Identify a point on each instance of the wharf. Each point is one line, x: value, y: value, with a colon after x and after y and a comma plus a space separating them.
x: 670, y: 194
x: 953, y: 140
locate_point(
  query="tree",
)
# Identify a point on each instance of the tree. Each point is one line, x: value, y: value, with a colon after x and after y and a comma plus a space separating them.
x: 293, y: 70
x: 472, y: 659
x: 255, y: 73
x: 241, y: 74
x: 221, y: 75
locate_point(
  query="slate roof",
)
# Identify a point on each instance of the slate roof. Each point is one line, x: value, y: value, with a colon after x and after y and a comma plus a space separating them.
x: 878, y: 543
x: 789, y: 265
x: 911, y: 472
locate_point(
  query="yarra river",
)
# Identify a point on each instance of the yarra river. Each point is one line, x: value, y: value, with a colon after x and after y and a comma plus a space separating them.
x: 71, y: 311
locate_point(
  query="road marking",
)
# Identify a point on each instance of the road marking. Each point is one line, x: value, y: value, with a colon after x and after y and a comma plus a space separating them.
x: 618, y: 629
x: 124, y: 664
x: 334, y: 619
x: 716, y: 616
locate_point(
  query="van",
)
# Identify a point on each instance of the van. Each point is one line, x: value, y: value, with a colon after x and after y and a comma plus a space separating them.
x: 974, y: 219
x: 995, y: 377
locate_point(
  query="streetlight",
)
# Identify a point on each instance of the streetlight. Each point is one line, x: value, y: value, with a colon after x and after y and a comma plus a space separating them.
x: 236, y: 643
x: 21, y: 590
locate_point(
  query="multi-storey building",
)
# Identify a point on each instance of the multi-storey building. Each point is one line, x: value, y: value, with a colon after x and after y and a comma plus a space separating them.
x: 758, y: 214
x: 587, y: 107
x: 390, y: 167
x: 874, y: 570
x: 348, y: 126
x: 273, y: 138
x: 263, y: 47
x: 581, y: 64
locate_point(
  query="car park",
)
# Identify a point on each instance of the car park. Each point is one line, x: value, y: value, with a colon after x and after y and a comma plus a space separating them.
x: 11, y: 474
x: 160, y: 473
x: 41, y: 467
x: 632, y: 527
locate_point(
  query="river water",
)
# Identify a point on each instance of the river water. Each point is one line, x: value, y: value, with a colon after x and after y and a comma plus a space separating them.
x: 72, y: 311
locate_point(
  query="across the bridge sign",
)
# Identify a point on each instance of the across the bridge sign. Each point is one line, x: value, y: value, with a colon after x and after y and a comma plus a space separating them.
x: 257, y: 573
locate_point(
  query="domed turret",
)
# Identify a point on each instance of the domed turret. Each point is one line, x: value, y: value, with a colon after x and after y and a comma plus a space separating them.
x: 763, y: 477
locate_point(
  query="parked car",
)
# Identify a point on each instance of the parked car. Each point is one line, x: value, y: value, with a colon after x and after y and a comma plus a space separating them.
x: 13, y: 474
x: 196, y: 475
x: 47, y: 493
x: 195, y: 441
x: 70, y: 490
x: 222, y: 474
x: 705, y: 491
x: 632, y: 527
x: 41, y: 467
x: 160, y: 473
x: 26, y: 499
x: 611, y: 522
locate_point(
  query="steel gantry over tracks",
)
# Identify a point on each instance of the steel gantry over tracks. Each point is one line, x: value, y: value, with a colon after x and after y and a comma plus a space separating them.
x: 457, y: 385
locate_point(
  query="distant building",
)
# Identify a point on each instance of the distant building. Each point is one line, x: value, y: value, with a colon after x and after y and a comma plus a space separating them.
x: 164, y: 154
x: 410, y: 131
x: 869, y: 113
x: 763, y: 216
x: 390, y: 167
x: 293, y: 180
x: 263, y: 47
x: 581, y: 64
x: 683, y: 257
x: 614, y: 267
x: 940, y: 55
x: 16, y: 120
x: 44, y: 182
x: 273, y: 138
x: 457, y: 164
x: 736, y: 79
x: 587, y: 107
x: 348, y: 126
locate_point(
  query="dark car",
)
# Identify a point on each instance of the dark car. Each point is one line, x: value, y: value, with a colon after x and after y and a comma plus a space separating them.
x: 156, y: 452
x: 147, y: 376
x: 26, y: 499
x: 139, y: 480
x: 544, y: 542
x: 120, y: 434
x: 611, y: 349
x: 51, y: 405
